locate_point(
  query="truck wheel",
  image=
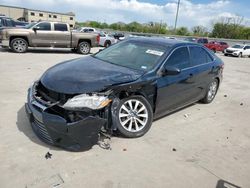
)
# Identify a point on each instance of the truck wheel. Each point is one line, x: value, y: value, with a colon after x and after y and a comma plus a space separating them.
x: 83, y: 48
x: 19, y: 45
x: 134, y: 116
x: 107, y: 44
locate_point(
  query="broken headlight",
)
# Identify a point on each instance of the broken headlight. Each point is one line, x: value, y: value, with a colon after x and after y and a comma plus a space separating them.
x: 87, y: 101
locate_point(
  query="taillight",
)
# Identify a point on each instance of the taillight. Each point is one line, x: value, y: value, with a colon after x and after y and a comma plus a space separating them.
x: 98, y: 38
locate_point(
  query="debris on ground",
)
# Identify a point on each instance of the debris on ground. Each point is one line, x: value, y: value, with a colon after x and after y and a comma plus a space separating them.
x: 241, y: 104
x: 48, y: 155
x: 225, y: 95
x: 104, y: 140
x: 186, y: 115
x: 174, y: 149
x: 227, y: 137
x: 124, y: 149
x: 230, y: 130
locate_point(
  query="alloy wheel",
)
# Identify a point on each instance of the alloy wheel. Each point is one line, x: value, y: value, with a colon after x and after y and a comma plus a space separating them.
x: 133, y: 115
x: 19, y: 45
x: 212, y: 90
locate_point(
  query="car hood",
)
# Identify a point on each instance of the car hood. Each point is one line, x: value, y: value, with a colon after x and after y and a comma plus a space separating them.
x: 85, y: 75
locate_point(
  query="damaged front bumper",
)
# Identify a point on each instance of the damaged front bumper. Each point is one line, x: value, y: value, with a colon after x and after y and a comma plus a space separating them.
x: 56, y: 130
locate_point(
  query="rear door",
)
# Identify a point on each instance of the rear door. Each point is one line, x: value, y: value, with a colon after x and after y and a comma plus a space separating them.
x: 43, y: 35
x: 202, y: 66
x: 62, y: 35
x: 175, y: 90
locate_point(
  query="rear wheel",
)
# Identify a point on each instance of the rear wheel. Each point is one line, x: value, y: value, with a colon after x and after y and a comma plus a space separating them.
x: 134, y: 116
x: 211, y: 92
x: 19, y: 45
x: 107, y: 44
x: 84, y: 48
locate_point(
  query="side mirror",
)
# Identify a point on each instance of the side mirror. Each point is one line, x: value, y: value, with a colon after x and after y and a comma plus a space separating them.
x: 36, y: 28
x: 169, y: 70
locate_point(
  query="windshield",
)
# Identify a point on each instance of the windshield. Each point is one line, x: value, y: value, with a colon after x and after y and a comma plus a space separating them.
x: 30, y: 25
x: 133, y: 54
x: 237, y: 46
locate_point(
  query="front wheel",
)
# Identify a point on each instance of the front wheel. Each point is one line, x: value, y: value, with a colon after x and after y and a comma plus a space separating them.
x: 84, y: 48
x: 19, y: 45
x: 134, y: 116
x: 211, y: 92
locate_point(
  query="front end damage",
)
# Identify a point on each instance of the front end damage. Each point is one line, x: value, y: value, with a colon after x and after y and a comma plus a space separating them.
x: 75, y: 130
x: 61, y: 120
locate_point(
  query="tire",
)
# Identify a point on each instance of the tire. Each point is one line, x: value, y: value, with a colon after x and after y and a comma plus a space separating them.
x: 211, y: 91
x: 107, y: 44
x: 225, y: 54
x: 19, y: 45
x: 136, y: 122
x: 83, y: 48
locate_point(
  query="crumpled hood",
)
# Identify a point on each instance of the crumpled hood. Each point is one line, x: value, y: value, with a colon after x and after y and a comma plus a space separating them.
x: 85, y: 75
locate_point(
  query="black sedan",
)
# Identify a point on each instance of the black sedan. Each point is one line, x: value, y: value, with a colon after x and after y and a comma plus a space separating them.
x: 122, y: 88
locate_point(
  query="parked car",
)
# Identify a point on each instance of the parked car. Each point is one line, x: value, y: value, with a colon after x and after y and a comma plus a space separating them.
x: 238, y: 50
x: 106, y: 40
x: 139, y: 79
x: 118, y: 36
x: 48, y: 34
x: 216, y: 46
x: 197, y: 40
x: 6, y: 22
x: 87, y: 30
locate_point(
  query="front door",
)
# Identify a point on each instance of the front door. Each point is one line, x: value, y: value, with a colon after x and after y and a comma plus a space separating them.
x: 42, y: 35
x: 175, y: 90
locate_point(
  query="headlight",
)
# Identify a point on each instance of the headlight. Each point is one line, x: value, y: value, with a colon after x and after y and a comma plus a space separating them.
x: 87, y: 101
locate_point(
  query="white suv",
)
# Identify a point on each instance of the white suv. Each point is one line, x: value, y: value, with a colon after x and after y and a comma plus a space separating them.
x: 238, y: 50
x: 106, y: 40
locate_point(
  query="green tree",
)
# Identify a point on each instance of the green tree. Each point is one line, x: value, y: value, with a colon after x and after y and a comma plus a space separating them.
x: 182, y: 31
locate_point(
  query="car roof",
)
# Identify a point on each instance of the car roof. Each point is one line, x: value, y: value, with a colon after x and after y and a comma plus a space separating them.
x: 163, y: 41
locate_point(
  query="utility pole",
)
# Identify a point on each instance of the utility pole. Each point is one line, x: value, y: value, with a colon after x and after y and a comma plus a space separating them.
x: 177, y: 12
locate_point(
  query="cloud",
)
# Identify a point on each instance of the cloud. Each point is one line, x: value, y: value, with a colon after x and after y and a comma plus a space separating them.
x: 190, y: 14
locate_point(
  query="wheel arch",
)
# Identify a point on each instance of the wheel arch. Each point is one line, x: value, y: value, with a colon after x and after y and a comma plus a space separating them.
x: 23, y: 37
x: 84, y: 40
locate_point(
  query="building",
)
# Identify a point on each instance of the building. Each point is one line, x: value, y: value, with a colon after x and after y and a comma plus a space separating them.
x: 32, y: 15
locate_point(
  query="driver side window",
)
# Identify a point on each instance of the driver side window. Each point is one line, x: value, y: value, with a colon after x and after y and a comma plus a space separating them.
x: 179, y: 58
x: 44, y: 26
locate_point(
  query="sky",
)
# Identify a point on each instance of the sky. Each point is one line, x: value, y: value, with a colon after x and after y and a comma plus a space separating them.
x: 191, y: 13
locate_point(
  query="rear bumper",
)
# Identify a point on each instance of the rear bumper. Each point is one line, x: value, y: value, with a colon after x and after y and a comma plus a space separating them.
x: 55, y: 130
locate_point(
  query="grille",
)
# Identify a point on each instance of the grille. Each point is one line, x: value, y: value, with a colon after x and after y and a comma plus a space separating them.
x: 42, y: 131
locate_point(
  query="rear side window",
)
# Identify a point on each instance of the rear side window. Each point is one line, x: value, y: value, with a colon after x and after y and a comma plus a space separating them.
x: 179, y: 58
x: 61, y: 27
x: 247, y: 48
x: 199, y: 55
x: 44, y: 26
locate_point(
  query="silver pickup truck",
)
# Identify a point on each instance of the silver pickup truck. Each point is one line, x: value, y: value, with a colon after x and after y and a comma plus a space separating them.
x: 47, y: 34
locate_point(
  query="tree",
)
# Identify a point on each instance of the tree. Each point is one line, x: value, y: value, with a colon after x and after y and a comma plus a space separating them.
x: 182, y: 31
x: 199, y: 30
